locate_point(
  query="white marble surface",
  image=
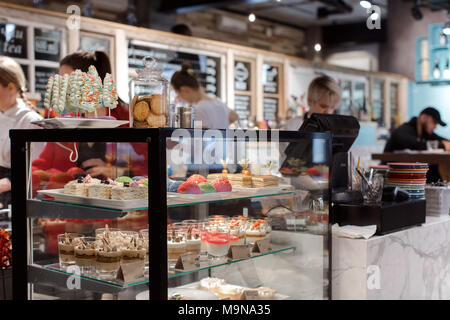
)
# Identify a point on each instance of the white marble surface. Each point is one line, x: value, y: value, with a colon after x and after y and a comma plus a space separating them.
x: 409, y: 264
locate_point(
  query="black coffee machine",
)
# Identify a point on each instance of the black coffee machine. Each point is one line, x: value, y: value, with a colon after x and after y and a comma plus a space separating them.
x: 395, y: 212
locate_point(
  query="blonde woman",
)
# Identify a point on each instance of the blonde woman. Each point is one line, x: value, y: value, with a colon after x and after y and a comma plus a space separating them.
x: 15, y: 113
x: 324, y: 96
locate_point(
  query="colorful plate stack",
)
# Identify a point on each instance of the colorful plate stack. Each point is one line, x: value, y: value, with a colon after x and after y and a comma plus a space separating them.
x: 408, y: 176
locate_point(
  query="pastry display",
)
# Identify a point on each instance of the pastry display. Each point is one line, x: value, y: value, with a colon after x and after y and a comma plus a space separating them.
x: 101, y: 190
x: 176, y: 242
x: 197, y: 178
x: 85, y: 254
x: 222, y: 185
x: 207, y: 187
x: 256, y: 230
x: 264, y: 181
x: 66, y: 248
x: 129, y: 191
x: 240, y: 180
x: 189, y: 187
x: 193, y: 240
x: 173, y: 186
x: 134, y: 250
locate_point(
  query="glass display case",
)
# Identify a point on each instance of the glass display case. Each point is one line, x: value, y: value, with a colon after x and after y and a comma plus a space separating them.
x: 159, y: 213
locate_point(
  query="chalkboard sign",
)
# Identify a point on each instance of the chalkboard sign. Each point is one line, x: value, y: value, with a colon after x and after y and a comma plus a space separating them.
x: 242, y: 76
x: 270, y: 109
x: 242, y: 106
x: 270, y: 79
x: 47, y: 44
x: 13, y: 40
x: 206, y: 68
x: 41, y: 75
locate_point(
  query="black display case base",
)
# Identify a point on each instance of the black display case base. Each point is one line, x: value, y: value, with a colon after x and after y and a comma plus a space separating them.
x: 388, y: 217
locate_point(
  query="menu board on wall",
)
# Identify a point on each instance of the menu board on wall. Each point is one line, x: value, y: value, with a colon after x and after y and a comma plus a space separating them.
x: 270, y: 79
x: 206, y: 68
x: 41, y: 76
x: 13, y: 40
x: 242, y: 106
x: 270, y: 108
x: 242, y: 76
x: 47, y: 44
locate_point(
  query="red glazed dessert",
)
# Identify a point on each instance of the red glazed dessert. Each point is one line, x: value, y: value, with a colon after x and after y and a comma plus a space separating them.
x: 222, y: 185
x: 196, y: 178
x: 189, y: 187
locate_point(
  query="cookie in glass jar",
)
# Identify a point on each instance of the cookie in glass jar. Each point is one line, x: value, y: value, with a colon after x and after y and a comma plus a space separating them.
x: 141, y: 111
x: 157, y: 104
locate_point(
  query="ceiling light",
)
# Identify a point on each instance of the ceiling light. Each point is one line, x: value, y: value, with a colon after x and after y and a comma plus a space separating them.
x: 251, y: 17
x: 317, y: 47
x: 365, y: 4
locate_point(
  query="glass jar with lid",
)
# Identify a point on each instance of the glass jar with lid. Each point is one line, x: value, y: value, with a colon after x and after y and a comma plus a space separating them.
x: 149, y: 96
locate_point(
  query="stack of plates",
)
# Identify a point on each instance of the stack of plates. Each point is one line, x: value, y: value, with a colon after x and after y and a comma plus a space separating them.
x: 408, y: 176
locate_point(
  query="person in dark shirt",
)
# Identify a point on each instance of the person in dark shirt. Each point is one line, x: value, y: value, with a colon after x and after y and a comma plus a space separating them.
x: 414, y: 134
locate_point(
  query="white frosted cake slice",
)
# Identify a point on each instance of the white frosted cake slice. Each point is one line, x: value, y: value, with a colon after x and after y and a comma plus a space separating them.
x: 76, y: 188
x: 102, y: 190
x: 129, y: 191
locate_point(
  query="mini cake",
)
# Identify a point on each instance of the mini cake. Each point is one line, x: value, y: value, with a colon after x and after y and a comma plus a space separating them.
x: 213, y: 176
x: 173, y: 186
x: 264, y: 181
x: 222, y: 185
x: 256, y: 231
x: 237, y: 232
x: 229, y: 291
x: 129, y: 191
x: 101, y: 190
x: 211, y: 284
x: 85, y: 254
x: 207, y: 187
x: 176, y: 245
x: 193, y: 240
x: 80, y: 186
x: 66, y: 248
x: 196, y: 178
x: 218, y: 244
x: 240, y: 180
x: 189, y: 187
x: 108, y: 257
x: 134, y: 251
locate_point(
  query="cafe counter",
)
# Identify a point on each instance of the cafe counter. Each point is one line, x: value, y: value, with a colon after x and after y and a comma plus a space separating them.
x: 409, y: 264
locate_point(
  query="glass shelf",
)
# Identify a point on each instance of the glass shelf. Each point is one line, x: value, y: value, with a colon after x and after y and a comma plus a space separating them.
x: 206, y: 265
x: 54, y: 274
x: 58, y: 209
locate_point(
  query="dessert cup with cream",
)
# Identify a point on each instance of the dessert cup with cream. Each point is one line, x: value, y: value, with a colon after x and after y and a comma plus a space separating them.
x: 85, y: 254
x: 218, y: 241
x: 176, y: 242
x: 108, y: 255
x: 144, y: 236
x: 66, y: 249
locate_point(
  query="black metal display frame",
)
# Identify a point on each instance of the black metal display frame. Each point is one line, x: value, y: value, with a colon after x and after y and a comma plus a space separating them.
x: 157, y: 197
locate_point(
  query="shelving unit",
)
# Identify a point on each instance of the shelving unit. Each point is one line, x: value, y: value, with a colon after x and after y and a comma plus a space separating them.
x: 33, y: 266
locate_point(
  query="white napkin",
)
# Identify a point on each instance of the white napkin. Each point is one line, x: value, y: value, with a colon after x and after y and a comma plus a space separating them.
x: 354, y: 232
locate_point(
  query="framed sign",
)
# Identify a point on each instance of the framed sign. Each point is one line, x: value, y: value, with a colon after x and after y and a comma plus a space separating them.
x: 47, y: 44
x: 270, y: 108
x: 206, y: 68
x: 270, y: 79
x: 243, y: 105
x: 242, y: 76
x: 13, y: 40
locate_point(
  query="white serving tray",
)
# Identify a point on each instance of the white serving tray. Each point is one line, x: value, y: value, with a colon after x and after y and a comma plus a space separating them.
x: 178, y: 198
x: 73, y: 123
x: 268, y: 190
x: 59, y: 195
